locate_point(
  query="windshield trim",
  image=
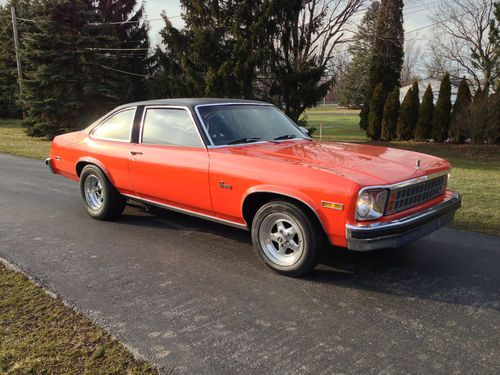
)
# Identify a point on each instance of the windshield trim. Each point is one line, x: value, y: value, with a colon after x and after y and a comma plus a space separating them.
x: 212, y: 145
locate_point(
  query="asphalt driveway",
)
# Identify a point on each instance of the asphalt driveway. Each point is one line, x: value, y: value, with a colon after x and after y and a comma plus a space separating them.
x: 190, y: 295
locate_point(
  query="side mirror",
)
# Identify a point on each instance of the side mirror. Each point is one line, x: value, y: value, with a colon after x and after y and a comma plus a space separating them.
x: 304, y: 130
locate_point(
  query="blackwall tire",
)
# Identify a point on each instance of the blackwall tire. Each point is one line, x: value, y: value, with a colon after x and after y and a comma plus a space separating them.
x: 286, y: 238
x: 101, y: 199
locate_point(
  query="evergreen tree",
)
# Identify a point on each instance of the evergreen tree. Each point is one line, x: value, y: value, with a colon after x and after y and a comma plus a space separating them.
x: 122, y: 22
x: 376, y: 112
x: 363, y: 116
x: 426, y: 110
x: 391, y: 113
x: 9, y: 85
x: 352, y: 92
x: 387, y: 56
x: 458, y: 132
x: 202, y: 54
x: 494, y: 117
x: 408, y: 115
x: 65, y: 84
x: 442, y: 113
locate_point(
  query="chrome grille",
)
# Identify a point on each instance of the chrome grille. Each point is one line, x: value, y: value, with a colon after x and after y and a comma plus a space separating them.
x: 407, y: 197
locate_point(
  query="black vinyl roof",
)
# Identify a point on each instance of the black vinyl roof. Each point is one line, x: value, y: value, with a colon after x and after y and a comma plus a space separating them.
x: 192, y: 102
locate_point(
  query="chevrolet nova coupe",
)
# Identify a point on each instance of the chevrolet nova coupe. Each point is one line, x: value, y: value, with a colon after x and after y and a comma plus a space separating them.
x: 245, y: 164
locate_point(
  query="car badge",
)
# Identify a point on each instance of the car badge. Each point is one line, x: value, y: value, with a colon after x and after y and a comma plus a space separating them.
x: 417, y: 164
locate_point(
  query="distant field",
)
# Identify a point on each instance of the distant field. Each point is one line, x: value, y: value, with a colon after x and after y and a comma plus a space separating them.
x: 338, y: 124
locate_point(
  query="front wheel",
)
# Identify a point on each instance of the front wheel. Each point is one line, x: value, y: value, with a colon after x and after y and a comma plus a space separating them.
x: 101, y: 199
x: 286, y: 239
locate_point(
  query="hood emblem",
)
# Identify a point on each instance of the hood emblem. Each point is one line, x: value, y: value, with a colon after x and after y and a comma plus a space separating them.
x: 417, y: 164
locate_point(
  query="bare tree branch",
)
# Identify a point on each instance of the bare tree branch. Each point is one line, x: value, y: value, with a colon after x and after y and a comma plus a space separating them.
x: 462, y: 27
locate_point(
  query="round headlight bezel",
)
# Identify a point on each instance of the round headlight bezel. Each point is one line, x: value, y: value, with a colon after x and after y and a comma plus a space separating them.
x: 371, y: 204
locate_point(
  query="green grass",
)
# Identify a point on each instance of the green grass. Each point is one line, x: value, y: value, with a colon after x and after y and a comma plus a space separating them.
x: 13, y: 140
x: 335, y: 124
x: 40, y: 335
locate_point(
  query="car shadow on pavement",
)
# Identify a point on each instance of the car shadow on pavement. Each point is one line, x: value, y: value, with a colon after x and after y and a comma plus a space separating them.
x: 441, y: 267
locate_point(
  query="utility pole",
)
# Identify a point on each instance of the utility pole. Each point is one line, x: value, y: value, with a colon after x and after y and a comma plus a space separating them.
x: 16, y: 45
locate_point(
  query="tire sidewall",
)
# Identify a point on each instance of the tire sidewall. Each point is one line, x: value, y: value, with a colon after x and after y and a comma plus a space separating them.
x: 308, y: 259
x: 88, y: 171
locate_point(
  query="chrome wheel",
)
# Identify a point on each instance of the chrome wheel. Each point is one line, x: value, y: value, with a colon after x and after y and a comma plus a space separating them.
x: 281, y: 239
x: 94, y: 192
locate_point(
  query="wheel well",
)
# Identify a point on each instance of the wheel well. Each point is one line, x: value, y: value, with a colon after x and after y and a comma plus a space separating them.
x: 80, y: 165
x: 255, y: 201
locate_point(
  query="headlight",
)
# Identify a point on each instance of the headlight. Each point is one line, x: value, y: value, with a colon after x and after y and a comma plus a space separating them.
x: 371, y: 204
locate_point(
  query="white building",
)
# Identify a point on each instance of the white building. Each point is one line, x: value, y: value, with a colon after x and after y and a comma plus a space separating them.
x: 422, y: 86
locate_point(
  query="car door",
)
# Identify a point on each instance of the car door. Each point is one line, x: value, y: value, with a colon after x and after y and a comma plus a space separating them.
x: 109, y: 143
x: 169, y: 164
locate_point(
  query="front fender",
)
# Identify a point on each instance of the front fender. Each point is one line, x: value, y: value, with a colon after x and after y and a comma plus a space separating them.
x: 290, y: 193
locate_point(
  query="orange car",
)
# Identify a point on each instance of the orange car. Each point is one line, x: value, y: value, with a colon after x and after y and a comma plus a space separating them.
x: 245, y: 164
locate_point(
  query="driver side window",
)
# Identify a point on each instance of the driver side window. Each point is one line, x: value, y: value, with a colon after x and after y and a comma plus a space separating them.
x: 169, y: 126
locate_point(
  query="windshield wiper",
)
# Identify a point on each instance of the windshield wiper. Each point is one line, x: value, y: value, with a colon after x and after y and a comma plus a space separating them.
x: 244, y: 140
x: 286, y: 136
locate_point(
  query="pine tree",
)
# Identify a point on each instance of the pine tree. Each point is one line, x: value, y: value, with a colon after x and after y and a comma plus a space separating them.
x: 391, y: 113
x: 408, y: 115
x: 458, y: 132
x: 352, y: 91
x: 9, y: 85
x: 387, y: 56
x: 376, y: 112
x: 122, y: 21
x: 65, y: 84
x: 442, y: 112
x: 426, y: 110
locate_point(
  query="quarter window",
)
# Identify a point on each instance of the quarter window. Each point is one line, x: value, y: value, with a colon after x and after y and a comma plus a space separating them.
x: 173, y: 127
x: 117, y: 127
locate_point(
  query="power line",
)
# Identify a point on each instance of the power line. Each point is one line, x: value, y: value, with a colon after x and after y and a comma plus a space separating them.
x: 25, y: 19
x: 5, y: 28
x: 123, y: 71
x: 117, y: 49
x: 125, y: 22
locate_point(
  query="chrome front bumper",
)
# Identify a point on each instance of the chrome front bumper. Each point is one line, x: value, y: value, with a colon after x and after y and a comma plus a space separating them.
x: 396, y: 233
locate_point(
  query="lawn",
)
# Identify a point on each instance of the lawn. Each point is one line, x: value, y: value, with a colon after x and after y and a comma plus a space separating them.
x: 13, y: 140
x: 476, y: 170
x: 40, y: 335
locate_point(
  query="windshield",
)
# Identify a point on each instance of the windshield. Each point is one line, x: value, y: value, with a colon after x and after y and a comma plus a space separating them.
x: 245, y: 123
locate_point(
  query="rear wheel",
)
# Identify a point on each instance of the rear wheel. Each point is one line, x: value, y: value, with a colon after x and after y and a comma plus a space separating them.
x: 101, y: 199
x: 286, y: 239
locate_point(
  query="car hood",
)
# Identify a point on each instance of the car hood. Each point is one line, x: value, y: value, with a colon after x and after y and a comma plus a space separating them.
x: 364, y: 164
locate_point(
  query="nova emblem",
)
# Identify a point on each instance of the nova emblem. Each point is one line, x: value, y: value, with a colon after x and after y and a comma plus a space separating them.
x: 417, y: 164
x: 224, y: 186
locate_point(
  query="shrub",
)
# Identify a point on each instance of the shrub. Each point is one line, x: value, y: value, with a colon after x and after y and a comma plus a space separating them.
x: 408, y: 115
x: 390, y: 117
x: 459, y: 133
x: 376, y: 112
x: 442, y: 112
x: 423, y: 129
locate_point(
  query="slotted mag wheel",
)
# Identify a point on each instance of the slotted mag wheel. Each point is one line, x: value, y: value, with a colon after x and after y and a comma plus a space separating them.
x: 281, y: 239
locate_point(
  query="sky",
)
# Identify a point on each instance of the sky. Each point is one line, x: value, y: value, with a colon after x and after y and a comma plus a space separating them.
x: 416, y: 15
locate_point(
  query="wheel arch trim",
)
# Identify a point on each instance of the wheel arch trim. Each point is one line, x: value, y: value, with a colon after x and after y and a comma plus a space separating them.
x: 287, y: 193
x: 90, y: 160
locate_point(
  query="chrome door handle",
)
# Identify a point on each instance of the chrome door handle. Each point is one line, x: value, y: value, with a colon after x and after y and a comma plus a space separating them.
x: 136, y: 153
